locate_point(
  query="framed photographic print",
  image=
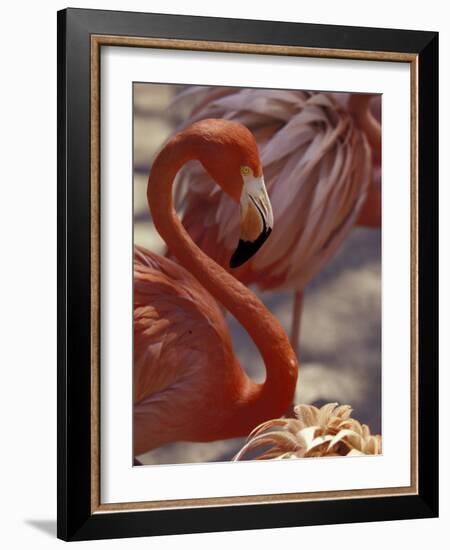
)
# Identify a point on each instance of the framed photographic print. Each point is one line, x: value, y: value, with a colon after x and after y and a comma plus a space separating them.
x: 247, y: 252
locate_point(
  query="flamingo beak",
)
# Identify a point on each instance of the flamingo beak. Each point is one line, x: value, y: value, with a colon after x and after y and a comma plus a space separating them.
x: 256, y: 220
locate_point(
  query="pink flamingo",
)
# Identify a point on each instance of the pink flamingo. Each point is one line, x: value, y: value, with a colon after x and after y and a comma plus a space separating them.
x: 188, y: 384
x: 318, y: 159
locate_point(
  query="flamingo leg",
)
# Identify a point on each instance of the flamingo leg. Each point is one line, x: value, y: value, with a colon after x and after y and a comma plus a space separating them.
x: 297, y: 307
x: 296, y: 321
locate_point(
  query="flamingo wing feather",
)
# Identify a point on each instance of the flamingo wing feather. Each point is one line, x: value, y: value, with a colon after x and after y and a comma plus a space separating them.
x: 182, y: 351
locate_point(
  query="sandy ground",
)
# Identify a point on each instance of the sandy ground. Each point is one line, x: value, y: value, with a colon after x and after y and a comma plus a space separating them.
x: 341, y: 325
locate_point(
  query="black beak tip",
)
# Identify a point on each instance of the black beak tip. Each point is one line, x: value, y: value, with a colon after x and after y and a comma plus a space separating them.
x: 246, y: 249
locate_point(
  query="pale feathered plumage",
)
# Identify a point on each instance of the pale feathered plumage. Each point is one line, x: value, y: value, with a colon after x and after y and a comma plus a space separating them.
x: 328, y: 431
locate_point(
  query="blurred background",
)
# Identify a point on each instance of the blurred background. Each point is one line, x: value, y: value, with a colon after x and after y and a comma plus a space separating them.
x: 340, y: 342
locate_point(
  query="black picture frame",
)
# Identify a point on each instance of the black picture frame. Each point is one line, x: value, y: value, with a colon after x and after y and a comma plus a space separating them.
x: 76, y: 521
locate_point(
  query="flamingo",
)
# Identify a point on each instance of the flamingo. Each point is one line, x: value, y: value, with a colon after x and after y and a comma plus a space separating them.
x: 188, y: 384
x: 319, y: 155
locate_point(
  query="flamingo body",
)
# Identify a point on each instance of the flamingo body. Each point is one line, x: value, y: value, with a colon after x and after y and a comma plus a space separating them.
x: 185, y: 373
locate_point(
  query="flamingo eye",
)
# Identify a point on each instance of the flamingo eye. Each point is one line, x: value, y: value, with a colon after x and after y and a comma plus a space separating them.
x: 246, y: 171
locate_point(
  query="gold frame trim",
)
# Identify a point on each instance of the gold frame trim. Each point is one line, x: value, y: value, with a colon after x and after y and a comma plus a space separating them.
x: 128, y: 41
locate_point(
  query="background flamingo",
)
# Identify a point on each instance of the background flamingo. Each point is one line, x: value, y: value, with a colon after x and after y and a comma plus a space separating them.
x: 320, y: 153
x: 188, y: 384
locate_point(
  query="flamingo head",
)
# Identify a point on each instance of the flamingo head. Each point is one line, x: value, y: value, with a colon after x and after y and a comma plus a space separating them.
x: 229, y: 153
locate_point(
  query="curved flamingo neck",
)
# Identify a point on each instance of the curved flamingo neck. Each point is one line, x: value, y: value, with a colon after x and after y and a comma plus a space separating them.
x: 260, y: 401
